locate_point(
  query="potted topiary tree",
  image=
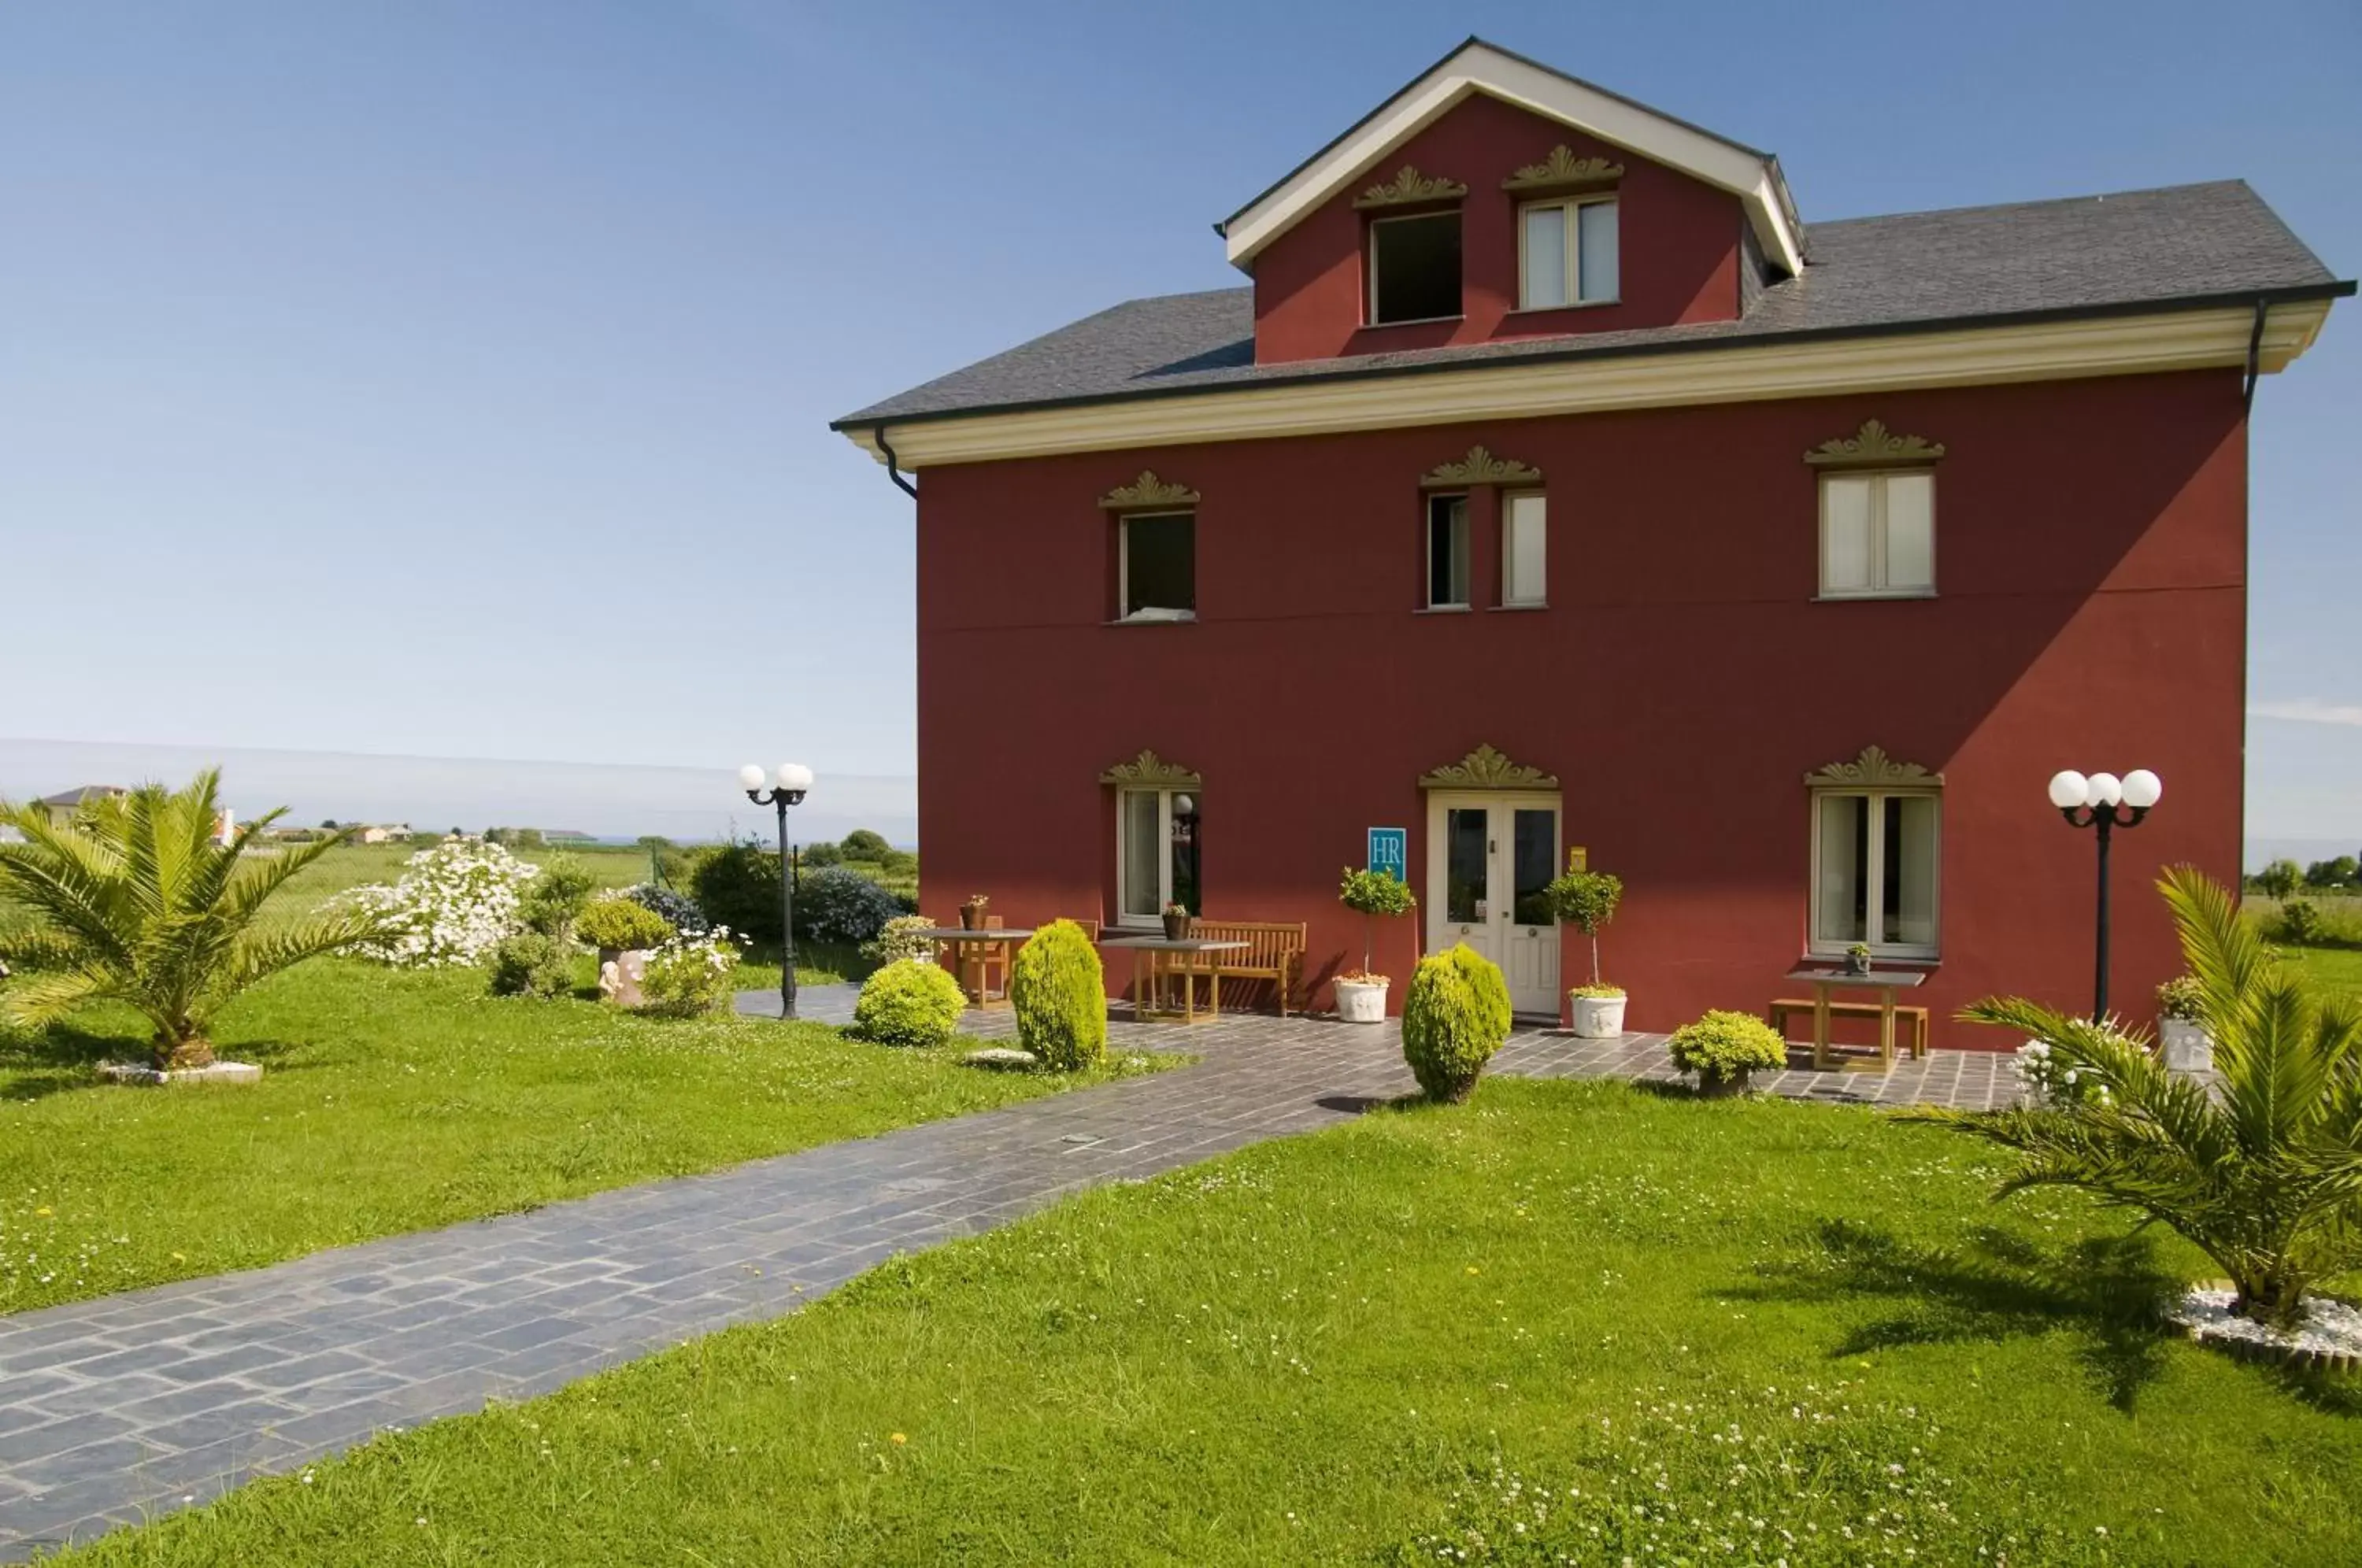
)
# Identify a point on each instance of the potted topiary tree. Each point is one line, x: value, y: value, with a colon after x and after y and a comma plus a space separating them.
x: 1587, y: 900
x: 1723, y: 1047
x: 1362, y: 993
x: 2181, y: 1027
x: 624, y: 931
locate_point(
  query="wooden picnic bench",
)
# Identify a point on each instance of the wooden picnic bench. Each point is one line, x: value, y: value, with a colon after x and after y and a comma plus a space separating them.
x: 1274, y: 951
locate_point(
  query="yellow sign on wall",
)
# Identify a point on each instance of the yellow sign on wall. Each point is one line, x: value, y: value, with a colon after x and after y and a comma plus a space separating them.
x: 1578, y: 858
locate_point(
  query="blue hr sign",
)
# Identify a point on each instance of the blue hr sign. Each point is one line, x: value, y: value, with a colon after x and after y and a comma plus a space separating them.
x: 1390, y: 853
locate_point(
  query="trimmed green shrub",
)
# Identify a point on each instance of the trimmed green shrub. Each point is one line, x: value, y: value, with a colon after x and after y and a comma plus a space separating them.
x: 621, y: 924
x: 1456, y: 1016
x: 908, y: 1002
x: 1059, y: 994
x: 1723, y: 1047
x: 532, y: 964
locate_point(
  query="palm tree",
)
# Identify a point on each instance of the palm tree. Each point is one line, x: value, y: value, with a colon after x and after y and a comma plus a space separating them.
x: 138, y: 900
x: 2262, y: 1172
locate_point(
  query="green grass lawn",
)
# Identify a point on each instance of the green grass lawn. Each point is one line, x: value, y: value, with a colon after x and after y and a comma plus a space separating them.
x: 2329, y: 969
x: 396, y: 1100
x: 1563, y: 1323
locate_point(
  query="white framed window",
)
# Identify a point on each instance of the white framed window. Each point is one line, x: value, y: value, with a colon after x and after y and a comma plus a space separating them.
x: 1567, y: 253
x: 1447, y: 552
x: 1158, y: 567
x: 1525, y: 549
x: 1876, y: 860
x: 1414, y: 268
x: 1878, y: 535
x: 1156, y: 854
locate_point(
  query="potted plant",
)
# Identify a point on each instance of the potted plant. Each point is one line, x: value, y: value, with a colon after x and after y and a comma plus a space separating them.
x: 1587, y: 900
x: 1722, y: 1048
x: 2180, y: 1027
x: 624, y: 931
x: 1362, y: 993
x: 972, y: 911
x: 1857, y: 958
x: 1177, y: 920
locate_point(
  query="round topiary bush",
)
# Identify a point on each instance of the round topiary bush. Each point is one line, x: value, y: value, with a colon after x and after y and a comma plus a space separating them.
x: 908, y: 1002
x: 1059, y: 994
x: 1456, y: 1016
x: 1723, y: 1047
x: 620, y: 925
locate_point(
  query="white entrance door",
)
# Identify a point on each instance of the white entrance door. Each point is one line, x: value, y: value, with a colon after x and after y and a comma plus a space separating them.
x: 1488, y: 858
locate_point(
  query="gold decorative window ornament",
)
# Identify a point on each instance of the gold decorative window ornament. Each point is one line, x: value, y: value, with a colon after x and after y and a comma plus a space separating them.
x: 1562, y: 170
x: 1873, y: 447
x: 1147, y: 490
x: 1480, y: 467
x: 1486, y: 769
x: 1409, y: 186
x: 1873, y: 769
x: 1150, y: 771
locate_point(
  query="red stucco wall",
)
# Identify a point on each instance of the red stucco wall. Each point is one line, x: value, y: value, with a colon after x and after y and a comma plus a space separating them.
x: 2091, y: 561
x: 1679, y: 247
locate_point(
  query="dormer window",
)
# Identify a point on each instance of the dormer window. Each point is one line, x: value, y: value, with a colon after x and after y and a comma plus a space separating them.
x: 1566, y: 253
x: 1414, y: 268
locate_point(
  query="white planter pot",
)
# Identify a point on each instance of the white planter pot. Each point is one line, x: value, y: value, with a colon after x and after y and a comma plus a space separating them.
x: 1358, y: 1003
x: 2187, y: 1047
x: 1597, y: 1017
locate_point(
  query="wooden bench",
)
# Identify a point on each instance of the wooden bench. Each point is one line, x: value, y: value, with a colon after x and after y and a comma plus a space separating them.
x: 1777, y: 1015
x: 1274, y: 951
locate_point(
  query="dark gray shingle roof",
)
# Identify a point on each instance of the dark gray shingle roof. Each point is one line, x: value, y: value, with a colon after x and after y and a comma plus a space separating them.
x: 2183, y: 245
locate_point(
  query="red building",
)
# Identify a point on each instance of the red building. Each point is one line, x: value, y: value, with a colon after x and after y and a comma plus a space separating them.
x: 1556, y: 485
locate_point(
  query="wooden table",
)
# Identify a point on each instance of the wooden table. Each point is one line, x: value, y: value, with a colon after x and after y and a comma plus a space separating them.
x: 1885, y: 982
x: 1160, y: 959
x: 951, y: 941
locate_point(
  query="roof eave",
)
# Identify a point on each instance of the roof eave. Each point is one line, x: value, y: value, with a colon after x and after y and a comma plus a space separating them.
x: 867, y: 421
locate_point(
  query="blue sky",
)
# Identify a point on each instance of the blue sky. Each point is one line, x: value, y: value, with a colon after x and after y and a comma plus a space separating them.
x: 451, y: 379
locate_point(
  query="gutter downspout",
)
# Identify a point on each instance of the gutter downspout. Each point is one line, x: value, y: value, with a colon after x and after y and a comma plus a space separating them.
x: 894, y: 465
x: 2255, y: 351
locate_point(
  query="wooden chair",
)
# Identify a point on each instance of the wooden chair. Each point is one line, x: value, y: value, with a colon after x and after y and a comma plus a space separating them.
x: 1779, y: 1012
x: 1274, y: 952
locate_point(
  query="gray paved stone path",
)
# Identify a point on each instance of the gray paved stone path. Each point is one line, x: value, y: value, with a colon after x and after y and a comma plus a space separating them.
x: 116, y: 1409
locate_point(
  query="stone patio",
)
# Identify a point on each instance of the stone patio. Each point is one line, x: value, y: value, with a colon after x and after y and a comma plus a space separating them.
x: 116, y: 1409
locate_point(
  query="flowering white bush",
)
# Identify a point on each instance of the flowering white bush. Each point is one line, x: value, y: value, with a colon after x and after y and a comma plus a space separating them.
x: 900, y: 940
x: 2047, y: 1083
x: 691, y: 975
x: 452, y: 904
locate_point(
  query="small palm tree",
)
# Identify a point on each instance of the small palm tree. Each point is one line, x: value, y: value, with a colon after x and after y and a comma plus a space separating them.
x: 136, y: 901
x: 2262, y: 1172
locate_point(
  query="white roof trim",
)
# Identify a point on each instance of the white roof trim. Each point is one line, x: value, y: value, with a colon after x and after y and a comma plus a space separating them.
x: 1478, y: 67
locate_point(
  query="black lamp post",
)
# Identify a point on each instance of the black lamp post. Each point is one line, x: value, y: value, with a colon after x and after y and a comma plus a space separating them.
x: 2105, y: 803
x: 794, y: 778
